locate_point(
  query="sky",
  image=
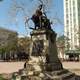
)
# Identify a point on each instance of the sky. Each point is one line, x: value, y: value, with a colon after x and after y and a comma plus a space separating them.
x: 9, y: 21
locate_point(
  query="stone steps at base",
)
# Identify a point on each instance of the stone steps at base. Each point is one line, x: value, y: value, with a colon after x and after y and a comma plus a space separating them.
x: 60, y: 75
x: 55, y: 75
x: 67, y: 76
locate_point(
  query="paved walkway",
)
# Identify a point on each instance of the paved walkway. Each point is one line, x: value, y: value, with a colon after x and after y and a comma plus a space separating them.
x: 71, y: 65
x: 9, y: 67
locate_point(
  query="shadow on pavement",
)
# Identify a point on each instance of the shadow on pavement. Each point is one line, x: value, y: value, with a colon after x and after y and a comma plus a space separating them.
x: 77, y: 77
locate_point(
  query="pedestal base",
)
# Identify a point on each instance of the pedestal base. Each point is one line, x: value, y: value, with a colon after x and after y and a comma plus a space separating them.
x: 60, y: 75
x: 35, y: 70
x: 44, y: 75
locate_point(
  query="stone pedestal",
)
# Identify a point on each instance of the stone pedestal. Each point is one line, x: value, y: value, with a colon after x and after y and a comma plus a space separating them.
x: 44, y: 45
x: 44, y: 63
x: 44, y: 51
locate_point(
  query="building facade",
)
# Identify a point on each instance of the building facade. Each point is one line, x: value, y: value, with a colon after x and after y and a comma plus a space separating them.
x: 72, y: 24
x: 8, y: 42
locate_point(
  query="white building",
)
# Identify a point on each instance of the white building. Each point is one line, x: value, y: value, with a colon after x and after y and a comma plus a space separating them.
x: 72, y: 23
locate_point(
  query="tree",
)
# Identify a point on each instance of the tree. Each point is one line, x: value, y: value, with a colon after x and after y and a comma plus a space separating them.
x: 62, y: 45
x: 24, y: 44
x: 63, y: 41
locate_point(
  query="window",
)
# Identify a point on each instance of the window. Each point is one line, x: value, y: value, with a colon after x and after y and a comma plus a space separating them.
x: 66, y: 4
x: 73, y: 2
x: 66, y: 14
x: 67, y: 21
x: 66, y: 9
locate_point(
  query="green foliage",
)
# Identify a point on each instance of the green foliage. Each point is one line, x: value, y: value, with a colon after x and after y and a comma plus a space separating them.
x: 8, y: 48
x: 24, y: 44
x: 2, y: 50
x: 1, y: 78
x: 61, y: 40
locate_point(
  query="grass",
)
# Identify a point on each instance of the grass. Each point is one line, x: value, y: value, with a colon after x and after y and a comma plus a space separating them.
x: 1, y: 78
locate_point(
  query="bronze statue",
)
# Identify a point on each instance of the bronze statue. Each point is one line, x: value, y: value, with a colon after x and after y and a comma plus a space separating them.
x: 41, y: 21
